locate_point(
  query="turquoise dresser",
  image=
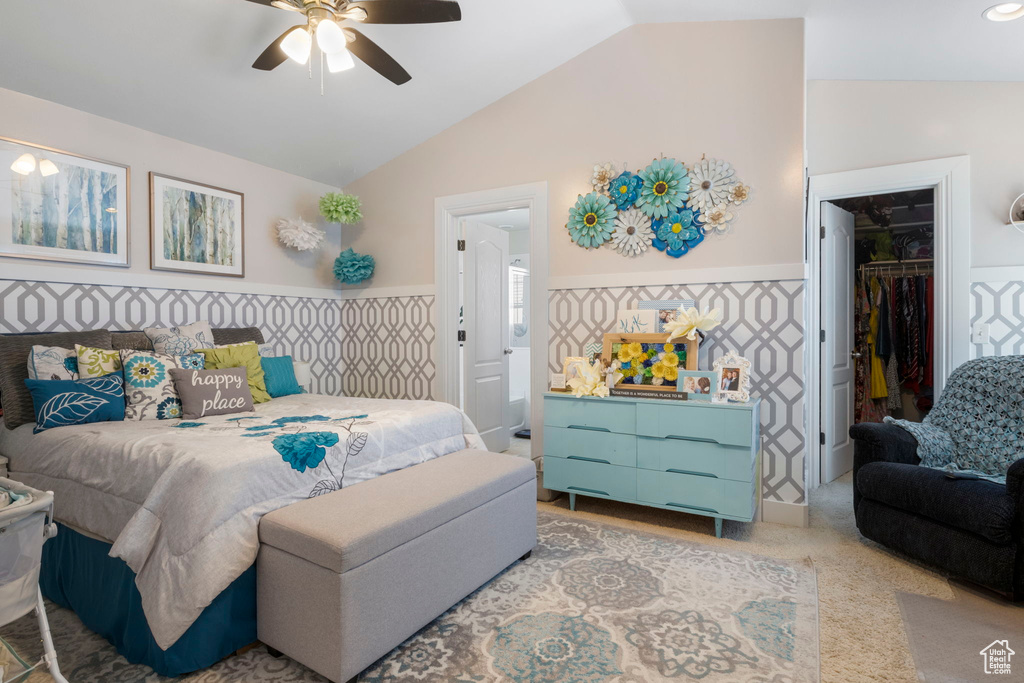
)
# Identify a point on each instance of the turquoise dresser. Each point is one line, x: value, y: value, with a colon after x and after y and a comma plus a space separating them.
x: 690, y: 456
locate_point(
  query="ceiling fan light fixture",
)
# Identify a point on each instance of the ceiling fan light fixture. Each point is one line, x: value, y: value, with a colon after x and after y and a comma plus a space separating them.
x: 340, y: 61
x: 330, y: 38
x: 48, y: 168
x: 24, y: 164
x: 1007, y: 11
x: 298, y: 45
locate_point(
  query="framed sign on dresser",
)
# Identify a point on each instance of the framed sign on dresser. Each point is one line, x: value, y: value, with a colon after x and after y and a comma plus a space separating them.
x: 691, y: 456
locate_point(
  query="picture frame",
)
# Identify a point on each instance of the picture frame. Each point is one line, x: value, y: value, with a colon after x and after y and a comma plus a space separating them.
x: 196, y: 228
x: 649, y: 344
x: 665, y: 310
x: 698, y: 385
x: 636, y: 321
x: 61, y: 206
x: 733, y: 376
x: 569, y: 369
x: 558, y: 382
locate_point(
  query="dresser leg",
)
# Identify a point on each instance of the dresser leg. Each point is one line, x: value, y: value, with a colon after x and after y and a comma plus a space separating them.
x: 718, y: 527
x: 572, y: 502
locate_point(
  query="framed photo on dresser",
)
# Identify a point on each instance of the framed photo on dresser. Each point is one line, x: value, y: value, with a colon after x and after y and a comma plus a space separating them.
x: 196, y: 228
x: 60, y: 206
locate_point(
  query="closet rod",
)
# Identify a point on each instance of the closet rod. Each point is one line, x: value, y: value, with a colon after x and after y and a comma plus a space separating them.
x: 920, y: 266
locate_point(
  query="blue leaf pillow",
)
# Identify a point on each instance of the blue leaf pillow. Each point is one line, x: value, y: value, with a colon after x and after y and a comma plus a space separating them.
x: 60, y: 402
x: 279, y: 374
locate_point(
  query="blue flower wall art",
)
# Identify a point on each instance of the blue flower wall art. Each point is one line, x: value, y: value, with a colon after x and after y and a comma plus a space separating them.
x: 591, y: 220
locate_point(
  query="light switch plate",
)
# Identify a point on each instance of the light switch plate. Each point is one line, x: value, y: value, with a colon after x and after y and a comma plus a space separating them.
x: 980, y: 333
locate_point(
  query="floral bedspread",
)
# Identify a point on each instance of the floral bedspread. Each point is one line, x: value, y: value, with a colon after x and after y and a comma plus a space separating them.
x: 202, y: 486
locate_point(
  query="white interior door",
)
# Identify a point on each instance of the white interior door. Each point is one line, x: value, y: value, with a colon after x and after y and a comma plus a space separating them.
x: 486, y: 315
x: 837, y: 361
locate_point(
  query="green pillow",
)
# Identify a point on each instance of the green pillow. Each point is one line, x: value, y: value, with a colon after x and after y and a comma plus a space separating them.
x: 240, y: 356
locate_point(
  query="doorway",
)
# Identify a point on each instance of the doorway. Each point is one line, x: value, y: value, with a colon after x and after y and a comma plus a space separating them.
x: 492, y: 311
x: 834, y: 203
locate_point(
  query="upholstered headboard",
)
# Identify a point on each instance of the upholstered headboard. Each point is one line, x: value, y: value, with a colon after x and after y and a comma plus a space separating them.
x: 15, y: 348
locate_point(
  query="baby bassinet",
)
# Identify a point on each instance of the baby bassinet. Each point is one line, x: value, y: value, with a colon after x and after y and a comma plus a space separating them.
x: 26, y: 521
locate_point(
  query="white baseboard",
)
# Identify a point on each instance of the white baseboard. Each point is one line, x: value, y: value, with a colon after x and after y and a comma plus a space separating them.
x: 790, y: 514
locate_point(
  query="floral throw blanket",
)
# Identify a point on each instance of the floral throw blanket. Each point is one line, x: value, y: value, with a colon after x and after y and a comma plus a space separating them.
x: 204, y: 485
x: 977, y: 425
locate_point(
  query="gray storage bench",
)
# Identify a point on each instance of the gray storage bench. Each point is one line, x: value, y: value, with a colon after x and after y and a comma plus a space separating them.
x: 344, y: 578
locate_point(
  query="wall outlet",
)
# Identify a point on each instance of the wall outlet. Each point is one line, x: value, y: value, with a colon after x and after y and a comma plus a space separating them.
x: 979, y: 334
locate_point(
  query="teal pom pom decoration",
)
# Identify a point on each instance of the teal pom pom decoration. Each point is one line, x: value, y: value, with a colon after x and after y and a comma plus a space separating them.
x: 338, y: 207
x: 352, y: 268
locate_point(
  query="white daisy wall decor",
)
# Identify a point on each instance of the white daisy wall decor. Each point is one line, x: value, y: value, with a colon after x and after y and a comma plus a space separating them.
x: 602, y: 178
x: 632, y: 235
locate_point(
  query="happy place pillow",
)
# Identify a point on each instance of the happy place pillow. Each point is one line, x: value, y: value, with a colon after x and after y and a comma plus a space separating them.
x: 60, y: 403
x: 245, y: 355
x: 148, y: 389
x: 212, y: 392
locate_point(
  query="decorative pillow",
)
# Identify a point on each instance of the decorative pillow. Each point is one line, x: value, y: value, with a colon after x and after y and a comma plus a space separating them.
x: 240, y: 356
x: 279, y: 374
x: 94, y: 362
x: 52, y: 362
x: 212, y: 392
x: 14, y: 352
x: 178, y: 341
x: 59, y: 403
x: 149, y: 391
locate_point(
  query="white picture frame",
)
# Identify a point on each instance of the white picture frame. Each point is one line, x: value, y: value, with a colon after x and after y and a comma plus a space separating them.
x: 665, y: 310
x: 60, y: 206
x: 733, y: 373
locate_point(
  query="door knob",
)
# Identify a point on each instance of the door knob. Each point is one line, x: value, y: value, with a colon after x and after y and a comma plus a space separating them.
x: 508, y: 352
x: 856, y: 354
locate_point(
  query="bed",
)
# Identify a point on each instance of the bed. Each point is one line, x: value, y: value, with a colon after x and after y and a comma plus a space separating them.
x: 161, y: 516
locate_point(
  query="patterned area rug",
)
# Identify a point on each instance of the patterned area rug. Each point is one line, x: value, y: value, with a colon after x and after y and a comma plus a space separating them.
x: 593, y: 603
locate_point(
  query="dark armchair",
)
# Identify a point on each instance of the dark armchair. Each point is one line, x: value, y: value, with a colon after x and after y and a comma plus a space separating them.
x: 970, y: 528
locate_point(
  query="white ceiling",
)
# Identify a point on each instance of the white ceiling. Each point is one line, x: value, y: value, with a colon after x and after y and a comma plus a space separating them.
x: 181, y: 68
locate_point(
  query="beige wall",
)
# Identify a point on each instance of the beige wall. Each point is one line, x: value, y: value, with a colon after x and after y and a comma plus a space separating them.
x: 860, y: 124
x: 732, y: 90
x: 269, y: 195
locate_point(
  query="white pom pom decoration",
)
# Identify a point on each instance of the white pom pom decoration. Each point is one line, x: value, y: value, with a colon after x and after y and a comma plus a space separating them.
x: 299, y: 234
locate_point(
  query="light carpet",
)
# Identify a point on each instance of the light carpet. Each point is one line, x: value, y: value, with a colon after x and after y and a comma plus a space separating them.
x: 594, y: 603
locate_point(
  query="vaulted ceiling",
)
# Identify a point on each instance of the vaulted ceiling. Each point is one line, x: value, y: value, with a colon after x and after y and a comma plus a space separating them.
x: 181, y: 68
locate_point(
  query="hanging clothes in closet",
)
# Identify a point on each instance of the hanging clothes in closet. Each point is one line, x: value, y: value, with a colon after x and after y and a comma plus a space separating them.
x: 893, y: 334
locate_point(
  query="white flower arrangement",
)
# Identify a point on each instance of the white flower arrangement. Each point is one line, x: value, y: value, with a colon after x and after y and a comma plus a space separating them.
x: 690, y: 320
x: 299, y: 234
x: 589, y: 380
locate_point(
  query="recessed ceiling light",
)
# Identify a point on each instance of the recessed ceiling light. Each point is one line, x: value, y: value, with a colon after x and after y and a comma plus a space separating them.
x: 1007, y: 11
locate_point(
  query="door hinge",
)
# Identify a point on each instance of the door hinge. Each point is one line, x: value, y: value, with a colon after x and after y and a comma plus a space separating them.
x: 821, y: 438
x: 822, y: 336
x: 460, y: 245
x: 823, y: 232
x: 462, y: 335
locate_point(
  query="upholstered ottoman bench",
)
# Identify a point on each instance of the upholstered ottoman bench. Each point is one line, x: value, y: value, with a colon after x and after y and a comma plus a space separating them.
x: 344, y: 578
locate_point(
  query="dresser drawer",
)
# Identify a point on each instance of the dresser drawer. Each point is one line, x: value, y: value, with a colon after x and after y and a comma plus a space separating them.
x: 728, y: 426
x: 590, y: 478
x: 688, y: 492
x: 587, y: 444
x: 611, y: 416
x: 695, y: 457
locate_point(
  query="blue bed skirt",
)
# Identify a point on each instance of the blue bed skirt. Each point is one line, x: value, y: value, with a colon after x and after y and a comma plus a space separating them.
x: 77, y: 573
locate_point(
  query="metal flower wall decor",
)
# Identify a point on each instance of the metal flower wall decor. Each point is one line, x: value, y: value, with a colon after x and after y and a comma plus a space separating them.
x: 667, y: 205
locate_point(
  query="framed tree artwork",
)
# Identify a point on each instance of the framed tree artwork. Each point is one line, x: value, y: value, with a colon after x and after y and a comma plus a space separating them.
x: 59, y: 206
x: 196, y: 228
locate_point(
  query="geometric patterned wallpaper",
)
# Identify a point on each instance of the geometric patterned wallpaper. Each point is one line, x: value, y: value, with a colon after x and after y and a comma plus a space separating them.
x: 1001, y: 304
x: 306, y: 329
x: 762, y: 321
x: 386, y: 347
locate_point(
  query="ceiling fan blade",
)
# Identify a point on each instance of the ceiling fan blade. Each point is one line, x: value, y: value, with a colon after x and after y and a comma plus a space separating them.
x: 375, y: 58
x: 409, y: 11
x: 273, y: 56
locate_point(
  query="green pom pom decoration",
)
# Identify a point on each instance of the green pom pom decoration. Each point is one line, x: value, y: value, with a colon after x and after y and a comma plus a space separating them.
x: 338, y: 207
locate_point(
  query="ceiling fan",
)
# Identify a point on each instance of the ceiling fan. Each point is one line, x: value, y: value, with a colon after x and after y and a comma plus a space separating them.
x: 339, y: 41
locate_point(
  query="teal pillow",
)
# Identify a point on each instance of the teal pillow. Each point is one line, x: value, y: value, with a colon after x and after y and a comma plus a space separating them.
x: 279, y: 374
x: 61, y: 402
